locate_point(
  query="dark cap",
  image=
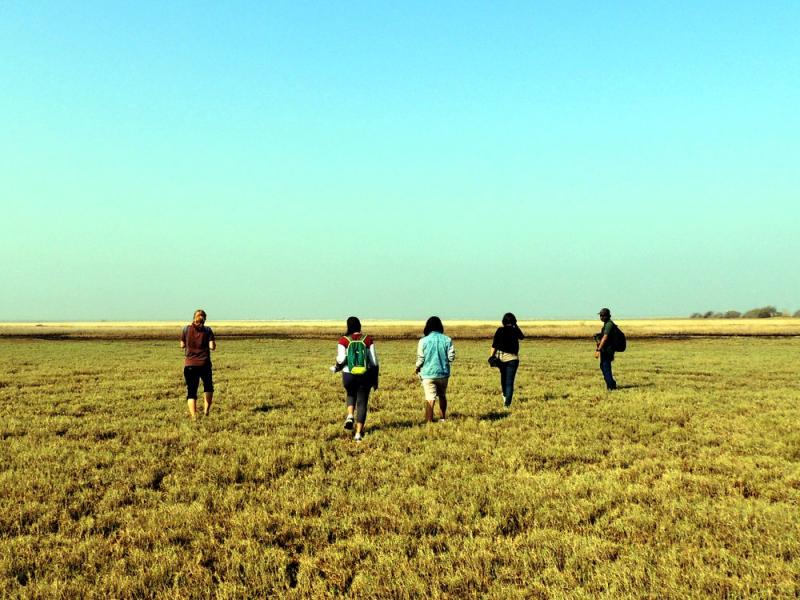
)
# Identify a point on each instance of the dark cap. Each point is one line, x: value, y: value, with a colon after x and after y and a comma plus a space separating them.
x: 604, y: 312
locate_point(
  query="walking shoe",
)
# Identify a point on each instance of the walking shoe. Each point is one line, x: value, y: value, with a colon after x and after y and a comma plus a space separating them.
x: 348, y: 422
x: 357, y: 437
x: 442, y: 420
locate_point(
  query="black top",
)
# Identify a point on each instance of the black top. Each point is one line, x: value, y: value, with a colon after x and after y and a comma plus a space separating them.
x: 506, y: 339
x: 608, y: 329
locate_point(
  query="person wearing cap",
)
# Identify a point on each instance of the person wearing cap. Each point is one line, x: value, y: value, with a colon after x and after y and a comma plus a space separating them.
x: 604, y: 350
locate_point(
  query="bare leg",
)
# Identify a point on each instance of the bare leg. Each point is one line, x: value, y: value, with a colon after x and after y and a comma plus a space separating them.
x: 192, y: 403
x: 208, y: 397
x: 442, y: 405
x: 429, y: 411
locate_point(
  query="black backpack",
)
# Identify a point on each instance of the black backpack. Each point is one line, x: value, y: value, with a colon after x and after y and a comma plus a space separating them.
x: 618, y: 341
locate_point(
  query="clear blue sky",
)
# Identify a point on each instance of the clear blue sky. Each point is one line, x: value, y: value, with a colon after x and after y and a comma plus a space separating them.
x: 396, y: 160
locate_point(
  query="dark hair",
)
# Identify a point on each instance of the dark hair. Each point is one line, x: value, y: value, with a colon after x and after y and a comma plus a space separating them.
x: 509, y: 320
x: 353, y: 325
x: 201, y: 311
x: 433, y: 324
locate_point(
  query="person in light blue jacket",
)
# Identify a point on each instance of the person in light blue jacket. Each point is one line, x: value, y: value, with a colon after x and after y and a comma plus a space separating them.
x: 435, y: 352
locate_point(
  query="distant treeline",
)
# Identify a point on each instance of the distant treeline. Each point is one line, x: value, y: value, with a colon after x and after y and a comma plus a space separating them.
x: 764, y: 312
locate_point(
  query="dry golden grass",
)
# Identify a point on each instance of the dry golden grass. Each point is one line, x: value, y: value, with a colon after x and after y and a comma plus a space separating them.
x: 394, y: 329
x: 684, y: 483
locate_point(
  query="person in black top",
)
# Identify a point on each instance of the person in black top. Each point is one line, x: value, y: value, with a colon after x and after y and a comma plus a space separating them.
x: 605, y: 351
x: 505, y: 346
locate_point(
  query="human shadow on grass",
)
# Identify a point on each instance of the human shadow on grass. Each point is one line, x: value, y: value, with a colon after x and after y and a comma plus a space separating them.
x: 266, y: 407
x: 370, y: 429
x: 550, y: 396
x: 494, y: 416
x: 630, y: 386
x: 405, y: 424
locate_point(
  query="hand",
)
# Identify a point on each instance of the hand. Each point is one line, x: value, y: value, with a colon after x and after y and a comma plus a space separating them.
x: 597, y: 353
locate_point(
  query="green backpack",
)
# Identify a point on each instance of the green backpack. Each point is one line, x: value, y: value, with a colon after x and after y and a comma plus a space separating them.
x: 357, y: 360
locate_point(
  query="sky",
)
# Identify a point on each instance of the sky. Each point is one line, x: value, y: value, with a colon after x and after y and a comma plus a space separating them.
x: 313, y: 160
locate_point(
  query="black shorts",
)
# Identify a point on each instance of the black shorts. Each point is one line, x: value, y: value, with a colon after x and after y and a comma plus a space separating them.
x: 193, y: 375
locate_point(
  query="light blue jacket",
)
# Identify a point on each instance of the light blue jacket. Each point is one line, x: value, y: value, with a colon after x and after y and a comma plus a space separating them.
x: 435, y: 352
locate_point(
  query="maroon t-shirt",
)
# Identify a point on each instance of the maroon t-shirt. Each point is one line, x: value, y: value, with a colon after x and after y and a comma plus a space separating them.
x: 197, y: 339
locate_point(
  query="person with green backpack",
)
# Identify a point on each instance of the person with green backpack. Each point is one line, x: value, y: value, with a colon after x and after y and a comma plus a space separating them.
x: 358, y: 361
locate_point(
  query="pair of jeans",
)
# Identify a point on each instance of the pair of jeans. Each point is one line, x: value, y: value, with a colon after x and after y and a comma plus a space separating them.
x: 508, y: 372
x: 605, y: 368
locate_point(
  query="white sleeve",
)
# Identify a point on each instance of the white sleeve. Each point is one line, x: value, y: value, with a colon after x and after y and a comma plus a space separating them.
x: 373, y: 355
x: 341, y: 354
x: 451, y: 352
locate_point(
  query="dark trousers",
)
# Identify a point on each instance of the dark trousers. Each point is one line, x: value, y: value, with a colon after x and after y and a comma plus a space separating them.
x: 508, y: 372
x: 357, y: 388
x: 605, y: 368
x: 193, y: 375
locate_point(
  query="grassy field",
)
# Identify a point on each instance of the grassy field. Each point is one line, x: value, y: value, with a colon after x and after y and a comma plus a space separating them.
x: 684, y: 483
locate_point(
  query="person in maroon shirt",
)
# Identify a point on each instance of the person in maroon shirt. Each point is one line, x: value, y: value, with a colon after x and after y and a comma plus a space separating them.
x: 198, y: 341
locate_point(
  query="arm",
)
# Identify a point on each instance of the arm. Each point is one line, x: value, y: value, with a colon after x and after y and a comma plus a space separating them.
x: 373, y: 357
x: 601, y: 344
x: 496, y: 340
x: 451, y: 352
x: 420, y: 355
x: 212, y: 340
x: 341, y: 357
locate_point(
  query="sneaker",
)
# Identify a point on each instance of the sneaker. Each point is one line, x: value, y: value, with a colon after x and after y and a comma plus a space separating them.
x: 442, y: 420
x: 507, y: 405
x: 348, y: 422
x: 357, y: 437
